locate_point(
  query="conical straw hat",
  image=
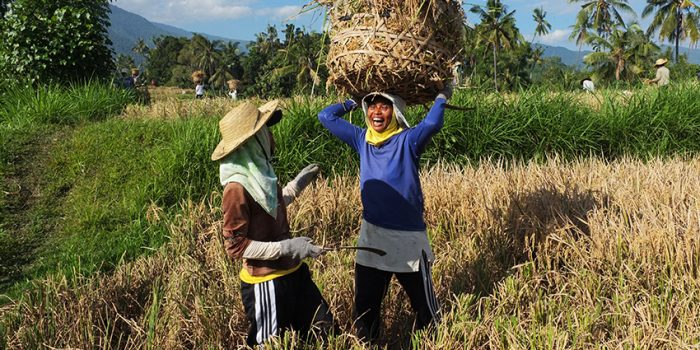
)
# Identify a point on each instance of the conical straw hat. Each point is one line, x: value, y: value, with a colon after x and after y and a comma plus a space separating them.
x: 240, y: 124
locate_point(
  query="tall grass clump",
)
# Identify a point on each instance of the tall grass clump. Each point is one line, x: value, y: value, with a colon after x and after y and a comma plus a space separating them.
x: 643, y: 123
x: 62, y: 105
x: 563, y: 255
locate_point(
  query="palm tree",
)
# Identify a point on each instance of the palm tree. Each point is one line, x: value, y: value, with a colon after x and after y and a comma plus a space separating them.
x: 621, y: 52
x: 542, y: 26
x: 675, y: 20
x: 497, y: 30
x: 642, y: 49
x: 580, y: 31
x: 207, y: 54
x: 603, y: 15
x: 301, y: 55
x: 141, y: 48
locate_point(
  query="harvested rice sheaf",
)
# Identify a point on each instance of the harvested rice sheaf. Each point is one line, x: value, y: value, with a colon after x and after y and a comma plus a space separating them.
x: 198, y: 76
x: 407, y: 48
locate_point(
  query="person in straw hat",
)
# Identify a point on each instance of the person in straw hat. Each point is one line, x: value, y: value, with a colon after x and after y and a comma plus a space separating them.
x: 392, y: 201
x: 276, y: 286
x: 663, y: 74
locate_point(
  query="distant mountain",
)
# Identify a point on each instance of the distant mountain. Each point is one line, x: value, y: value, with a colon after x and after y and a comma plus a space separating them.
x: 573, y: 58
x: 127, y: 28
x: 568, y: 57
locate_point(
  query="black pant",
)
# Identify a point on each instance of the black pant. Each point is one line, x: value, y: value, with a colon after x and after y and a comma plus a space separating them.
x: 371, y: 286
x: 288, y: 302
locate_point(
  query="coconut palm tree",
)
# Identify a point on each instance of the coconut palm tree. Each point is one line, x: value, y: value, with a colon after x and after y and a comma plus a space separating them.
x: 603, y: 15
x: 141, y: 48
x: 675, y: 20
x: 542, y: 27
x: 496, y: 30
x: 207, y: 54
x: 620, y: 53
x: 580, y: 31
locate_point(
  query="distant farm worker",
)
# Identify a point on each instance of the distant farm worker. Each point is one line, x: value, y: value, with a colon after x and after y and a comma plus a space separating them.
x: 199, y: 90
x: 233, y: 88
x: 135, y: 76
x: 588, y: 85
x: 127, y: 80
x: 392, y: 201
x: 276, y: 287
x: 663, y: 75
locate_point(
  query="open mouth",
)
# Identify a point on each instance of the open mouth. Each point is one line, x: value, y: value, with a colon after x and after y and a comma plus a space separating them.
x: 377, y: 121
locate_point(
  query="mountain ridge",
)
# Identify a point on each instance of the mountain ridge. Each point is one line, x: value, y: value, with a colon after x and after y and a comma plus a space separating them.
x: 127, y: 28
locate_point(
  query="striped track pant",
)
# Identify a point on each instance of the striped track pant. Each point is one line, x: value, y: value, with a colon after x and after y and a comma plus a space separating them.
x: 288, y: 302
x: 371, y: 286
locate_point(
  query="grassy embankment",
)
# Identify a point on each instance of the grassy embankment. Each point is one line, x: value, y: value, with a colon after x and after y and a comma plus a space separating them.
x: 104, y: 191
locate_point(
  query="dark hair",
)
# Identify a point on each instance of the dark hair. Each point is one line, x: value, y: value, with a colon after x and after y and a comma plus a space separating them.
x: 378, y: 98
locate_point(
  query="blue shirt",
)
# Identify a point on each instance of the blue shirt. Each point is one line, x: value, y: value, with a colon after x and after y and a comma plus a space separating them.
x: 389, y: 183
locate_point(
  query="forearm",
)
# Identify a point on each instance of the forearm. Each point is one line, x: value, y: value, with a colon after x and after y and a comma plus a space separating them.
x: 257, y: 250
x: 331, y: 119
x: 436, y: 116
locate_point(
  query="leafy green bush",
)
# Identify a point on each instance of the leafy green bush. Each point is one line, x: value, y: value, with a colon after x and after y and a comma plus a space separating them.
x: 55, y: 41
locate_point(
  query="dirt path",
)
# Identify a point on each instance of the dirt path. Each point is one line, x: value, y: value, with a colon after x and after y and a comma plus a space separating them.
x: 27, y: 214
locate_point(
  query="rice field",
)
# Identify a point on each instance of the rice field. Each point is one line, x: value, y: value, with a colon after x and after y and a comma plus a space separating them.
x: 588, y: 254
x: 558, y: 220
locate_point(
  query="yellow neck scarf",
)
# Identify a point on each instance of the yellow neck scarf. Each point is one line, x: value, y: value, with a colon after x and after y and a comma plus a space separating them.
x: 378, y: 138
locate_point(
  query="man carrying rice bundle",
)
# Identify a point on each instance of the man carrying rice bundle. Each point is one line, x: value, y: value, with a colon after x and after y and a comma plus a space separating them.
x: 276, y: 286
x: 392, y: 200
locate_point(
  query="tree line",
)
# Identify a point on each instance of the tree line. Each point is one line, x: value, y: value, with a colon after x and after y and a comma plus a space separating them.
x: 66, y: 40
x: 275, y: 64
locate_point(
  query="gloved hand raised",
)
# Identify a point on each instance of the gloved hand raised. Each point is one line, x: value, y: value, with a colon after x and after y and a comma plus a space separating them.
x: 305, y: 176
x: 446, y: 92
x: 303, y: 179
x: 350, y: 105
x: 299, y: 248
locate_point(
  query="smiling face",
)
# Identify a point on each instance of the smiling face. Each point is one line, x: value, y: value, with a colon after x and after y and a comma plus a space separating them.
x: 379, y: 113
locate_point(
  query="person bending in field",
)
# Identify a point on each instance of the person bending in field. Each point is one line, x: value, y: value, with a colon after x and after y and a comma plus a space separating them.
x: 276, y: 286
x: 392, y: 205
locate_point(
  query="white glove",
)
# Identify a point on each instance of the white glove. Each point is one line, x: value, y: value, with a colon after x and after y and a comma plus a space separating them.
x: 300, y: 182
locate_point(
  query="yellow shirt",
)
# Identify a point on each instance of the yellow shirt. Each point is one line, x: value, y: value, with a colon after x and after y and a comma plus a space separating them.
x: 248, y: 278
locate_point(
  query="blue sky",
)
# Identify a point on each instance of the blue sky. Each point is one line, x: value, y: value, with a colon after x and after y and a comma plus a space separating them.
x: 242, y: 19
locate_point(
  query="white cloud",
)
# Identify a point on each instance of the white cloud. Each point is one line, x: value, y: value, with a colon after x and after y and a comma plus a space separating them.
x: 179, y: 11
x: 556, y: 37
x: 282, y: 12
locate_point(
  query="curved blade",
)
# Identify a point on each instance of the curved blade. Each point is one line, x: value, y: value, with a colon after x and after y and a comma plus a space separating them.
x: 368, y: 249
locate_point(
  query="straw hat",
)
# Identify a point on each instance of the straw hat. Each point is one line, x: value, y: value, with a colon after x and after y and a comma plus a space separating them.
x: 240, y: 124
x: 661, y: 62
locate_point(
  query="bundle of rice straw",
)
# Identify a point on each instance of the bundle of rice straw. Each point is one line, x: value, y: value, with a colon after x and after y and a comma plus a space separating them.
x: 198, y: 76
x: 233, y: 84
x: 407, y: 48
